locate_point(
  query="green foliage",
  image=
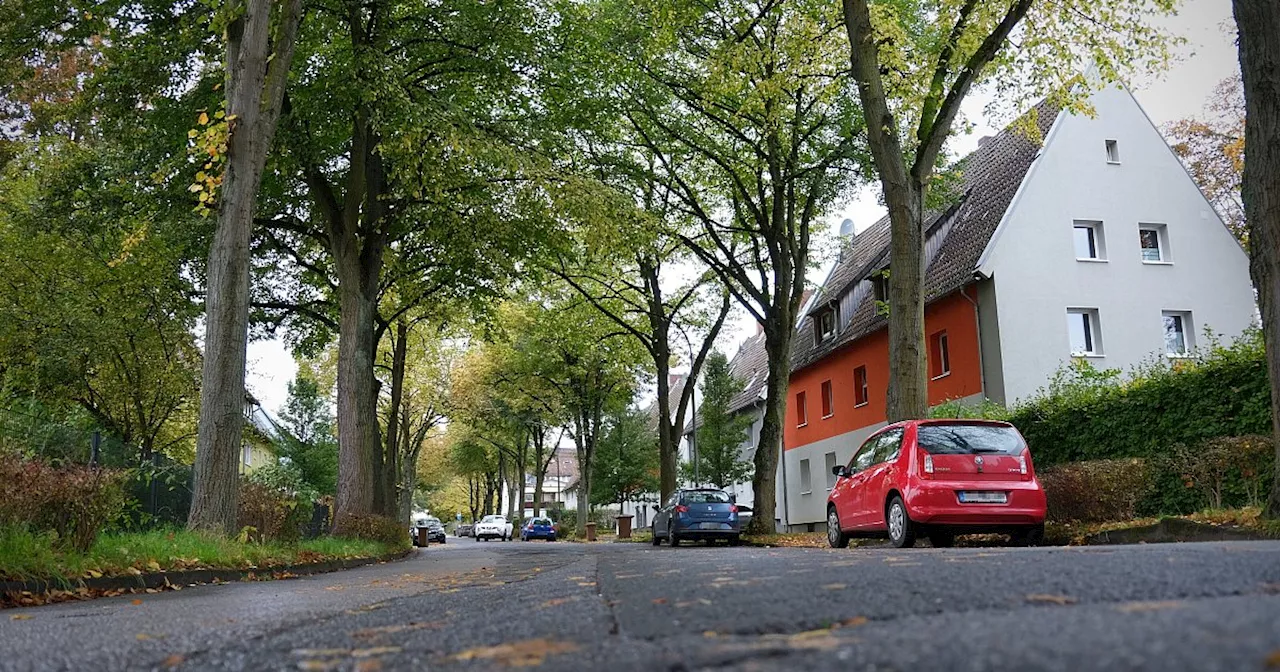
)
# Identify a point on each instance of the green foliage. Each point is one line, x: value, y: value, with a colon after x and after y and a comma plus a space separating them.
x: 720, y: 433
x: 1096, y: 491
x: 1086, y: 414
x: 309, y: 444
x: 269, y: 511
x: 626, y: 464
x: 73, y: 502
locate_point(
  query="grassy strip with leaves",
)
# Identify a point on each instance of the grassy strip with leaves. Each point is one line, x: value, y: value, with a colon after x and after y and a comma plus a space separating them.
x: 27, y: 556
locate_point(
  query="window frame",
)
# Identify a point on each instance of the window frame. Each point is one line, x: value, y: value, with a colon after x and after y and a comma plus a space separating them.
x: 828, y: 400
x: 861, y: 389
x: 825, y: 324
x: 1092, y: 331
x: 1097, y: 240
x: 939, y: 355
x: 806, y: 477
x: 1113, y: 151
x: 1188, y: 335
x: 828, y: 467
x: 1162, y: 244
x: 889, y: 439
x: 802, y: 413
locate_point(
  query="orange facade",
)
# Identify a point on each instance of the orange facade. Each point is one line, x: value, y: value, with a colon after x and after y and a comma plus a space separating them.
x: 953, y: 314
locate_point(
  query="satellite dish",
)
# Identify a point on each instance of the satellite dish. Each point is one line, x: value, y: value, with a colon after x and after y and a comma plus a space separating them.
x: 846, y: 228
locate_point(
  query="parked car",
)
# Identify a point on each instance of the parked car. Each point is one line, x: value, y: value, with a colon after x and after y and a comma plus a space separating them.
x: 538, y: 528
x: 433, y: 526
x: 493, y: 527
x: 937, y: 479
x: 697, y: 513
x: 464, y: 530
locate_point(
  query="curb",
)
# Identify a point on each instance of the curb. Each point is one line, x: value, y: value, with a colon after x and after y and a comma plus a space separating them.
x: 1171, y: 530
x: 193, y: 576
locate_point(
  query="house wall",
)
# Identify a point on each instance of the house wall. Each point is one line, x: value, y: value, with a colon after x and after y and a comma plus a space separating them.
x: 1033, y: 262
x: 848, y: 426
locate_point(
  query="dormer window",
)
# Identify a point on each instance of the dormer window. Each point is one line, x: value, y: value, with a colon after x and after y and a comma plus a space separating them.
x: 880, y: 284
x: 824, y: 323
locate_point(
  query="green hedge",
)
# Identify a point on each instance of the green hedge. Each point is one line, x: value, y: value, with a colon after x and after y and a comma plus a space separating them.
x: 1086, y: 414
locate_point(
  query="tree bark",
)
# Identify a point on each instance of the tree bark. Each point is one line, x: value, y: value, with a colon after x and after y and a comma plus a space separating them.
x: 256, y: 79
x: 908, y: 394
x: 1259, y: 23
x: 764, y: 485
x: 392, y: 471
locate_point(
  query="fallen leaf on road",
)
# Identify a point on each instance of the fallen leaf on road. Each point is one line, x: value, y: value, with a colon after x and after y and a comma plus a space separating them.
x: 20, y: 617
x: 722, y: 579
x: 1051, y: 599
x: 555, y: 602
x: 660, y: 600
x: 586, y: 583
x: 136, y: 602
x: 577, y: 578
x: 627, y: 576
x: 335, y: 587
x: 369, y: 665
x: 526, y: 653
x: 710, y: 634
x: 375, y: 651
x: 1132, y: 607
x: 143, y: 637
x: 172, y: 661
x: 851, y: 622
x: 369, y: 633
x: 835, y: 586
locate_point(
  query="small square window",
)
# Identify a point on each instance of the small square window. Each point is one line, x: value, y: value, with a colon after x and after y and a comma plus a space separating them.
x: 880, y: 284
x: 1154, y: 241
x: 939, y: 355
x: 802, y: 415
x: 830, y: 469
x: 1084, y: 332
x: 806, y: 480
x: 247, y: 455
x: 1113, y: 151
x: 828, y: 403
x: 825, y: 323
x: 1177, y: 333
x: 1089, y: 242
x: 860, y: 395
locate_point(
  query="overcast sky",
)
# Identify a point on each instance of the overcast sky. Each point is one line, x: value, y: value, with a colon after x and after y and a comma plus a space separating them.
x: 1208, y: 57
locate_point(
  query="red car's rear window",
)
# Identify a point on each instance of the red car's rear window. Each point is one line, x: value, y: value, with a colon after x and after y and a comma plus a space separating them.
x: 948, y: 439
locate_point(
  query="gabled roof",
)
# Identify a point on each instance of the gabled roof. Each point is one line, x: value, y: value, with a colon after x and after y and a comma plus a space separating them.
x: 674, y: 392
x: 956, y: 237
x: 750, y: 366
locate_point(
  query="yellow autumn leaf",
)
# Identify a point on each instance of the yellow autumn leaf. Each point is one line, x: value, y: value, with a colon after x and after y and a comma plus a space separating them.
x: 192, y: 133
x: 200, y: 176
x: 195, y: 187
x: 204, y: 119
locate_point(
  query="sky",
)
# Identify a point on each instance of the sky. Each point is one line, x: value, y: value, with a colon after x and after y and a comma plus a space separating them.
x: 1208, y: 57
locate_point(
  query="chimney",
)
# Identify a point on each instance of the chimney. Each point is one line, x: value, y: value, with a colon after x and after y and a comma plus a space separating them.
x: 983, y: 140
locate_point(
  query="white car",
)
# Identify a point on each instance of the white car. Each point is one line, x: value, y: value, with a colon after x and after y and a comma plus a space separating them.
x: 493, y: 527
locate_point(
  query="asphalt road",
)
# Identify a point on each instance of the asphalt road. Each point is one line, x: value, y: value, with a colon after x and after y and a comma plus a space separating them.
x: 618, y: 607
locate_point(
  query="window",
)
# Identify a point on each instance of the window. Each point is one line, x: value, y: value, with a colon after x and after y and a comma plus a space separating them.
x: 806, y: 485
x: 860, y: 386
x: 1084, y: 332
x: 1154, y: 240
x: 246, y: 455
x: 1089, y: 242
x: 939, y: 356
x: 828, y: 404
x: 705, y: 497
x: 1177, y: 333
x: 1113, y: 151
x: 888, y: 447
x: 880, y: 284
x: 966, y: 439
x: 802, y: 415
x: 825, y: 323
x: 830, y: 462
x: 862, y: 459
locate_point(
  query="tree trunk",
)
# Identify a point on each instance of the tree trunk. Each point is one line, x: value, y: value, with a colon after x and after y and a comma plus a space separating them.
x: 358, y: 444
x: 392, y: 471
x: 908, y: 395
x: 256, y: 79
x: 668, y: 433
x: 1259, y: 23
x: 764, y: 484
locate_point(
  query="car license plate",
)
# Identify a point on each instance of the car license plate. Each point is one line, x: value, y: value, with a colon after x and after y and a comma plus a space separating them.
x: 713, y: 526
x: 982, y: 497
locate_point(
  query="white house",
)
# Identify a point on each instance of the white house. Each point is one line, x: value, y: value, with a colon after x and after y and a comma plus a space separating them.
x: 1094, y: 244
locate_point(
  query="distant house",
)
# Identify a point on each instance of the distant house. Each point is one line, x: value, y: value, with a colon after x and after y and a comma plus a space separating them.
x: 261, y: 434
x: 1093, y: 245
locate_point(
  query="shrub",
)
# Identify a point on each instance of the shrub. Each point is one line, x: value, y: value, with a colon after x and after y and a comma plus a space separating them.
x: 75, y: 502
x: 373, y: 528
x: 1223, y: 472
x: 1087, y: 414
x: 267, y: 514
x: 1095, y: 491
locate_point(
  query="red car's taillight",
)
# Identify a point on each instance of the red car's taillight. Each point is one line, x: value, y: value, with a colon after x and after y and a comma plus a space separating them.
x: 681, y: 508
x: 1022, y: 464
x: 928, y: 466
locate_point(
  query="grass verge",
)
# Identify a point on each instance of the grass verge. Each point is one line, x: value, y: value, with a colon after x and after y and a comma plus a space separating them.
x: 27, y: 556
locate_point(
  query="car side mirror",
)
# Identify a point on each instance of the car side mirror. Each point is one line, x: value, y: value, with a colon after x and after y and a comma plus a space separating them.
x: 840, y: 471
x: 656, y: 507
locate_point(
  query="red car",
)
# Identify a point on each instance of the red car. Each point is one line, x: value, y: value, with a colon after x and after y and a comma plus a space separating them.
x: 937, y: 479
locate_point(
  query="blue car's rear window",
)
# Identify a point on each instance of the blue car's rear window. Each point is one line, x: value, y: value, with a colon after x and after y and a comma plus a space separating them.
x: 706, y: 497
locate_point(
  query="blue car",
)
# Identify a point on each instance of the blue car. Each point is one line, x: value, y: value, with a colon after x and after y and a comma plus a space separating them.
x: 538, y: 528
x: 698, y: 513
